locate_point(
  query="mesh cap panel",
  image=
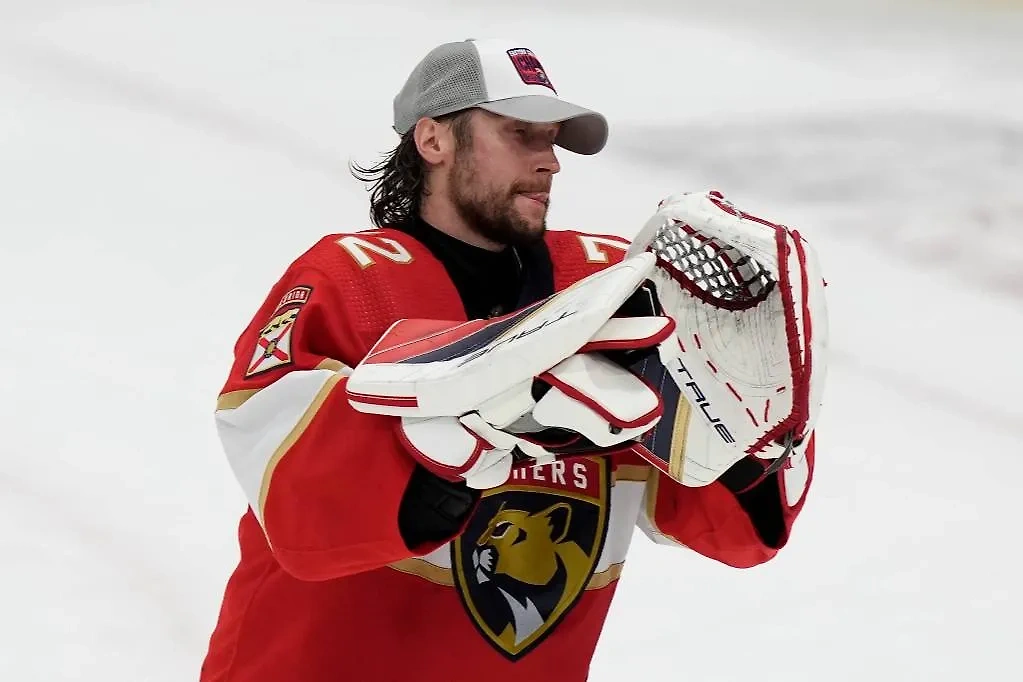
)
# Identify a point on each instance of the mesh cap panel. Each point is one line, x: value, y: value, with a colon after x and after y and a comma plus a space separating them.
x: 448, y: 79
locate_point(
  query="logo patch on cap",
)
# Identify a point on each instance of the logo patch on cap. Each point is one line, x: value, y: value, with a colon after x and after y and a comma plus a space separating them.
x: 529, y: 68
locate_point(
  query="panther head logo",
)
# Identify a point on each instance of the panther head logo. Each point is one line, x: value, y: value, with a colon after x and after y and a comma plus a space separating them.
x: 532, y: 564
x: 527, y: 562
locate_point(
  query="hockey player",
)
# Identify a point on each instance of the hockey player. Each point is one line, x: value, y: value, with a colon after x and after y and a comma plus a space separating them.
x: 407, y: 518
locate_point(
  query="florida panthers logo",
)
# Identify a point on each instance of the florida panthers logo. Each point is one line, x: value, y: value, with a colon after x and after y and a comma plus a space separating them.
x: 531, y: 550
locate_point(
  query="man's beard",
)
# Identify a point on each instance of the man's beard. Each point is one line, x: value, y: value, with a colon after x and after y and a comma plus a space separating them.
x: 492, y: 214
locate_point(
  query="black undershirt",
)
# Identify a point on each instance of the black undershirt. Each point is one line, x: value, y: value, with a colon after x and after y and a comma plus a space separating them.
x: 488, y: 282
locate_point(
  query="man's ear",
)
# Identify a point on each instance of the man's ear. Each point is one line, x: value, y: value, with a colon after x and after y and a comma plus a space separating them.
x: 433, y: 140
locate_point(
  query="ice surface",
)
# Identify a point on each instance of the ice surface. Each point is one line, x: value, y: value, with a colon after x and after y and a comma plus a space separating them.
x: 162, y: 163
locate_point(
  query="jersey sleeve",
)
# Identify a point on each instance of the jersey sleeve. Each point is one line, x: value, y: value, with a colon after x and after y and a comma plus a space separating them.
x: 742, y: 520
x: 326, y: 483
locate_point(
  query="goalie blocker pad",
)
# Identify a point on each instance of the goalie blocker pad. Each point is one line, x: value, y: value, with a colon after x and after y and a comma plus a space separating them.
x: 426, y: 368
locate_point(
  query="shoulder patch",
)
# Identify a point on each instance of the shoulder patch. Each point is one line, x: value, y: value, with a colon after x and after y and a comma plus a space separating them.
x: 297, y: 296
x: 273, y: 347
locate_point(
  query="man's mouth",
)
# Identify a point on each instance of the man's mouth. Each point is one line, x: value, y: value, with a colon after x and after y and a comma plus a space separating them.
x: 542, y: 198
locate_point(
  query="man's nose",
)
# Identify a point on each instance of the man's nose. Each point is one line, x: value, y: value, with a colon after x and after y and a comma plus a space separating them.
x: 548, y: 162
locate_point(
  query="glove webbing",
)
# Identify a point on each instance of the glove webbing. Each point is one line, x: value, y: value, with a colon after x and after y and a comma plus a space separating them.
x: 719, y: 270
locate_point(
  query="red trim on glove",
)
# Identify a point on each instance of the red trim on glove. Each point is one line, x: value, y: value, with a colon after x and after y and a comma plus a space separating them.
x: 803, y: 387
x: 389, y: 400
x: 632, y: 344
x: 576, y: 394
x: 450, y: 473
x: 800, y: 376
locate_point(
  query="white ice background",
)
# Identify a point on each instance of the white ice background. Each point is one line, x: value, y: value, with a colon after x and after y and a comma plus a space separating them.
x: 162, y: 162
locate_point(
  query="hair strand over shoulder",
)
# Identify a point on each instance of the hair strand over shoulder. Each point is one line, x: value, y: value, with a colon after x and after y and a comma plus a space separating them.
x: 398, y: 181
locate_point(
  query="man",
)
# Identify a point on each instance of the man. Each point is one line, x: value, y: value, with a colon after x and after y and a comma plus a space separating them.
x: 432, y: 546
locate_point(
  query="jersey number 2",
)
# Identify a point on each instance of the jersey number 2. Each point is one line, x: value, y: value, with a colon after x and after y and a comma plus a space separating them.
x: 361, y: 248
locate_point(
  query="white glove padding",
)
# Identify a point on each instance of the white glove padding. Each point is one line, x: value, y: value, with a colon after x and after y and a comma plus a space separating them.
x: 586, y: 403
x: 605, y: 403
x: 453, y: 451
x: 588, y: 395
x: 425, y: 368
x: 747, y: 298
x: 597, y: 402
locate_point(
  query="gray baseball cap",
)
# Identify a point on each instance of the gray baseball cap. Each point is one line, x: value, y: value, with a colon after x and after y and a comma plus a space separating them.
x: 500, y: 77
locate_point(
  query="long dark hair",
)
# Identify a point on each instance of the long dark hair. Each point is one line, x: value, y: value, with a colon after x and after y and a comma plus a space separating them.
x: 399, y: 180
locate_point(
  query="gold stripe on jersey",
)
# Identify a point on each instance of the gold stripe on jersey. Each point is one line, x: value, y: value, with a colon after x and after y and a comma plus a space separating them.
x: 443, y: 576
x: 676, y: 464
x: 651, y: 506
x: 601, y: 580
x: 424, y: 569
x: 334, y: 366
x: 235, y: 399
x: 631, y: 472
x: 293, y: 437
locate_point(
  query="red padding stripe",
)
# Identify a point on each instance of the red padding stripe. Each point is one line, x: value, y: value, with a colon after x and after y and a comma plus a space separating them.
x: 576, y: 394
x: 388, y: 400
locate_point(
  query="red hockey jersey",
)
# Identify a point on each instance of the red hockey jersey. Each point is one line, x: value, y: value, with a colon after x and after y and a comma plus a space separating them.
x: 326, y: 589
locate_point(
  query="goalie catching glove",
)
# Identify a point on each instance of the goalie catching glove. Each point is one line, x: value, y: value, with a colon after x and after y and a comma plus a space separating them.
x: 472, y: 396
x: 747, y: 299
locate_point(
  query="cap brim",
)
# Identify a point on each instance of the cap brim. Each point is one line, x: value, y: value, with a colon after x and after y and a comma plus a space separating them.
x: 582, y: 131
